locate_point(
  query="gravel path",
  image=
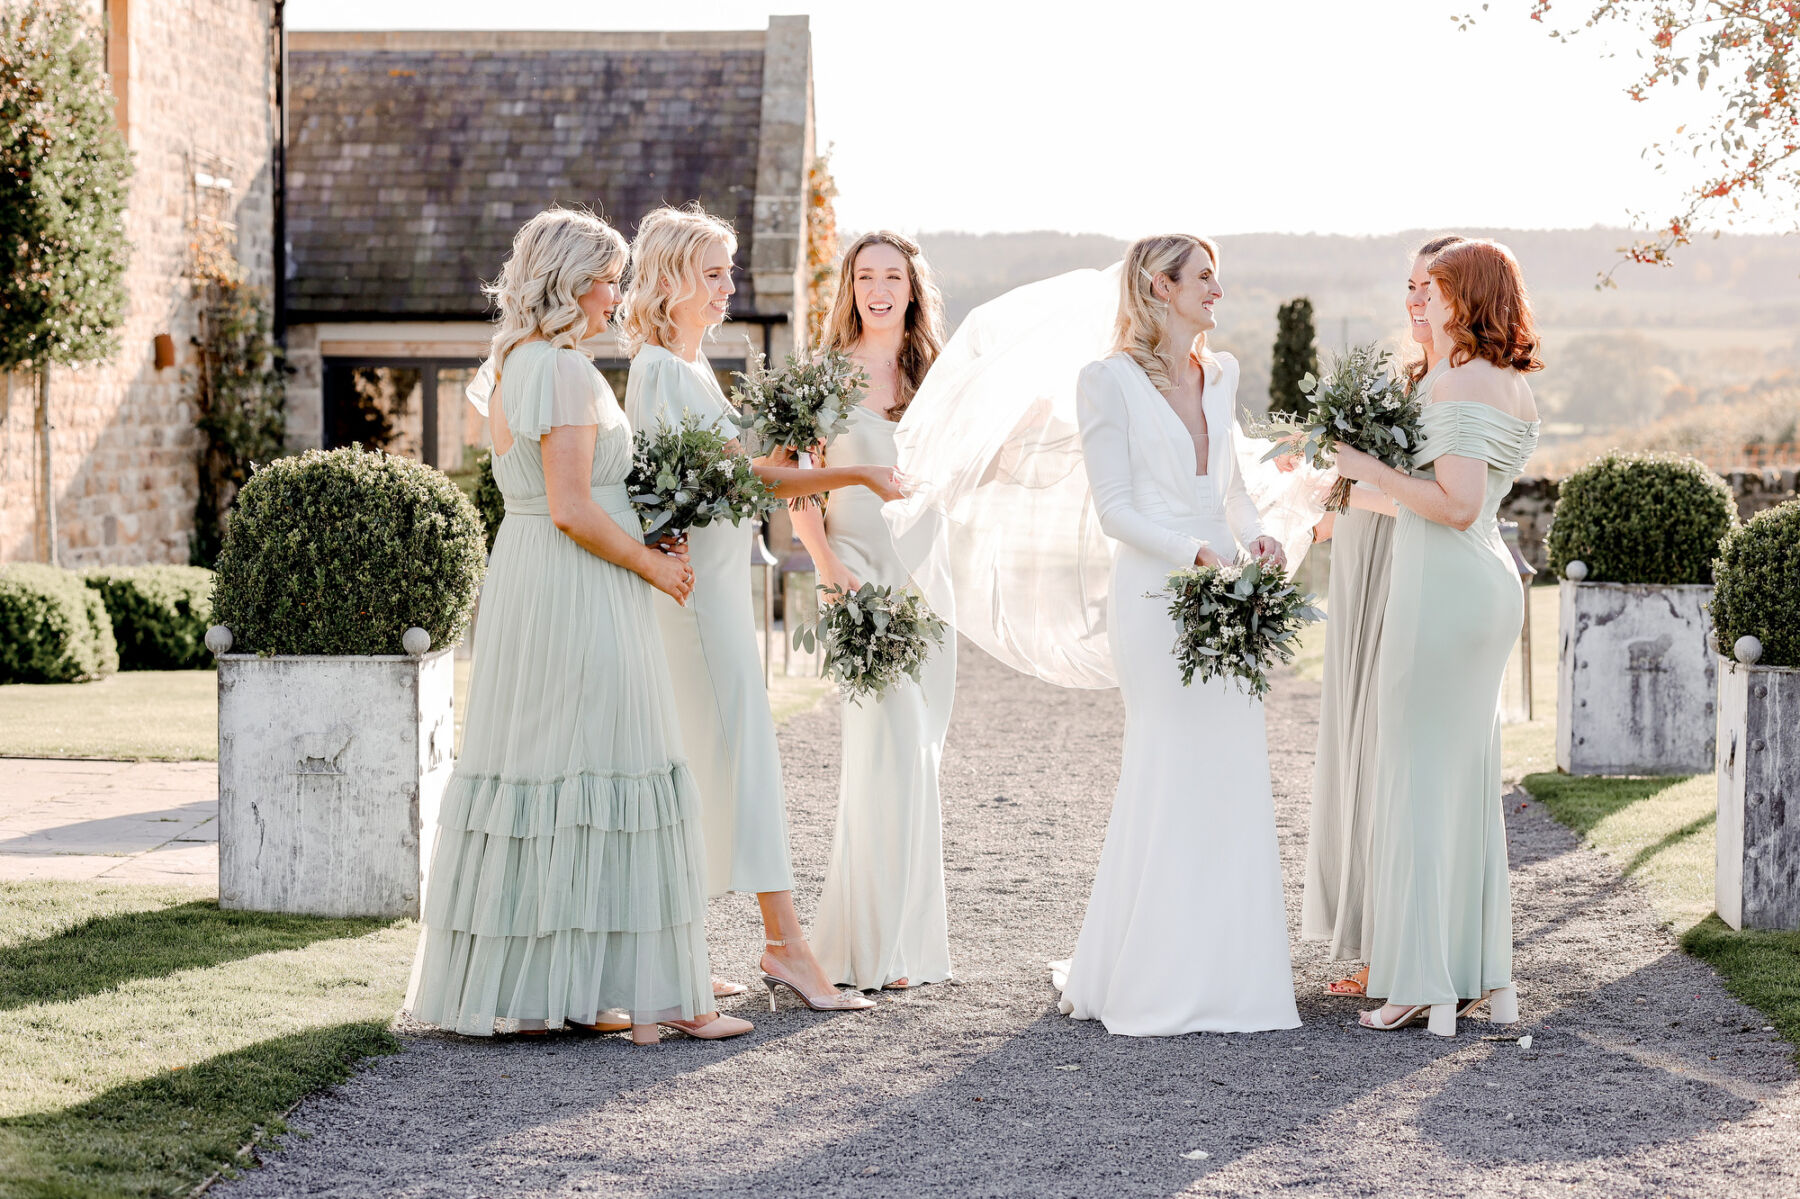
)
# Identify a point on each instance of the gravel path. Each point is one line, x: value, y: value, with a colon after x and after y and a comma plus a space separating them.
x: 1643, y: 1077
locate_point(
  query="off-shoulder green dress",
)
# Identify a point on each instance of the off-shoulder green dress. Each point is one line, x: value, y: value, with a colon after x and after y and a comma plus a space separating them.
x: 568, y: 873
x: 1442, y: 905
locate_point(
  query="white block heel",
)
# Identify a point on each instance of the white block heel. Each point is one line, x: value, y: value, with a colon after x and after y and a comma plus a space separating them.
x: 1503, y: 1005
x: 1442, y: 1021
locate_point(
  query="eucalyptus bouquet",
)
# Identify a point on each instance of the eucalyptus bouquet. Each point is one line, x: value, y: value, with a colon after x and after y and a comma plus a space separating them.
x: 872, y: 637
x: 1236, y: 621
x: 805, y: 403
x: 1361, y: 403
x: 686, y: 478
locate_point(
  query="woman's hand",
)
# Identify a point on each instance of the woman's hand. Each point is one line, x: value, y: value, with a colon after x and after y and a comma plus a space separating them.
x: 1206, y: 557
x: 835, y: 574
x: 1267, y: 549
x: 1357, y: 466
x: 886, y: 482
x: 669, y: 572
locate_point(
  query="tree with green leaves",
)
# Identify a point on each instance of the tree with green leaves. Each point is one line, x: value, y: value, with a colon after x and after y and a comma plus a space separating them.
x: 1296, y: 356
x: 64, y: 172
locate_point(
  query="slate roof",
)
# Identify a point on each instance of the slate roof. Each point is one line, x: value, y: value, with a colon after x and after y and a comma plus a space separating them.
x: 410, y: 169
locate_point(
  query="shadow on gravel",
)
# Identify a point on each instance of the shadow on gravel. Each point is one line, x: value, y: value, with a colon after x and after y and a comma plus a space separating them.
x: 100, y: 954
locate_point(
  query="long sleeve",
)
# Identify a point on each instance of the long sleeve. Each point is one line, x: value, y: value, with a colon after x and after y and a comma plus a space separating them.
x: 1106, y: 448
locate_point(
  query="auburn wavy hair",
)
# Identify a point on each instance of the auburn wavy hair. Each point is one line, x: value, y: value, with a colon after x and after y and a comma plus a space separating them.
x: 1490, y: 312
x: 923, y: 336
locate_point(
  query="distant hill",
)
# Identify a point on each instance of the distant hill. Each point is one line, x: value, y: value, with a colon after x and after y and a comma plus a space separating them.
x: 1723, y: 321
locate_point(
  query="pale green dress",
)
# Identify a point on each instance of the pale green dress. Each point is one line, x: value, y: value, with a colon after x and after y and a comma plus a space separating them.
x: 713, y: 660
x: 567, y: 874
x: 1442, y: 904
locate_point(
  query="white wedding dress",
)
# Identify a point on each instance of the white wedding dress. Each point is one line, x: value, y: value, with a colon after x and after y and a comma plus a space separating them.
x: 1186, y: 929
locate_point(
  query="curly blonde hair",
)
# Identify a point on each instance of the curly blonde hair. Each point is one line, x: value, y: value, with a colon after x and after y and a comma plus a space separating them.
x: 924, y: 334
x: 1142, y: 328
x: 556, y: 257
x: 665, y: 256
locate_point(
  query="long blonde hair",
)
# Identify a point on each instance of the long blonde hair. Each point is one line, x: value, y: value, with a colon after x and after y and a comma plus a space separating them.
x: 1142, y: 328
x: 556, y: 257
x: 923, y: 336
x: 664, y: 259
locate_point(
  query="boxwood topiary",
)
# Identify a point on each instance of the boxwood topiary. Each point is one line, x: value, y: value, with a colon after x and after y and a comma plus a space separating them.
x: 488, y: 500
x: 1757, y: 585
x: 159, y: 614
x: 1641, y: 518
x: 52, y: 629
x: 341, y: 552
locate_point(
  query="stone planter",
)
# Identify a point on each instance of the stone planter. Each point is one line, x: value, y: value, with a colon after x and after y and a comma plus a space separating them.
x: 1635, y: 679
x: 330, y: 773
x: 1757, y: 884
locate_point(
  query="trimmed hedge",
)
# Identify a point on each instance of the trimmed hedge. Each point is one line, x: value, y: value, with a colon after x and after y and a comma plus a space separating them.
x: 488, y: 500
x: 52, y: 628
x: 341, y: 552
x: 1757, y: 585
x: 159, y: 614
x: 1641, y: 518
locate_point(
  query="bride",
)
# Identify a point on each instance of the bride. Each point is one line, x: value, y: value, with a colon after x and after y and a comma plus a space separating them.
x: 1186, y: 929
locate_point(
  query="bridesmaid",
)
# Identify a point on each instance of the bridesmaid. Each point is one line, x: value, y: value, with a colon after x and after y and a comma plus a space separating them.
x: 1441, y: 939
x: 882, y: 919
x: 1335, y: 904
x: 566, y: 878
x: 681, y: 290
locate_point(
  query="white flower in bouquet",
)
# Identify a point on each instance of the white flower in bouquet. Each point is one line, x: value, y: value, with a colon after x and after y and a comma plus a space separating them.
x: 1236, y: 621
x: 687, y: 478
x: 873, y: 637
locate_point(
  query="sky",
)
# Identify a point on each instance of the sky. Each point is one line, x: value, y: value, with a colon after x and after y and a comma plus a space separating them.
x: 1127, y: 116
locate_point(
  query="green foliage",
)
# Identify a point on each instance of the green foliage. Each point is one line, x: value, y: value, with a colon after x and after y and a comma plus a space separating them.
x: 1757, y: 585
x: 241, y: 400
x: 160, y: 614
x: 1235, y: 622
x: 1641, y: 518
x: 687, y: 478
x: 803, y: 404
x: 52, y: 629
x: 488, y: 500
x: 1296, y: 356
x: 1362, y: 403
x: 874, y: 637
x: 64, y: 169
x: 341, y: 552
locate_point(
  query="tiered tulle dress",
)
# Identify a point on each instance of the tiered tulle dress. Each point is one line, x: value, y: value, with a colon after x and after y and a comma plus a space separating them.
x: 1335, y: 906
x: 711, y: 644
x: 566, y: 878
x: 882, y: 916
x: 1443, y: 908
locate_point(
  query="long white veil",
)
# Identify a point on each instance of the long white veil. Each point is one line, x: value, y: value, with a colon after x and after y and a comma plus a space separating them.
x: 999, y: 530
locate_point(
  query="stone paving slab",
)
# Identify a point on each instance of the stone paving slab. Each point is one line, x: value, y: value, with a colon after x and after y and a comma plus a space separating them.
x: 120, y: 821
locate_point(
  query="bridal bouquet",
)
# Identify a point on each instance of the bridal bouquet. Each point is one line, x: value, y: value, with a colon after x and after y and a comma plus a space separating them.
x: 805, y: 403
x: 686, y: 478
x: 872, y: 637
x: 1361, y: 403
x: 1236, y: 621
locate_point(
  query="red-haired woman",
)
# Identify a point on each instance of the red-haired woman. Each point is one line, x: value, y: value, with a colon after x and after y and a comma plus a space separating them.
x: 1442, y: 936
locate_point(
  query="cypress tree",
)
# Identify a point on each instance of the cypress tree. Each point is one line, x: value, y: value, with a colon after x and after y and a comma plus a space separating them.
x: 1296, y: 356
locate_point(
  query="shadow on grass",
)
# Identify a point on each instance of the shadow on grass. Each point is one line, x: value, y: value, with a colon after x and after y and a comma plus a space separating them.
x: 1761, y: 968
x: 164, y: 1135
x: 1581, y: 802
x: 99, y: 954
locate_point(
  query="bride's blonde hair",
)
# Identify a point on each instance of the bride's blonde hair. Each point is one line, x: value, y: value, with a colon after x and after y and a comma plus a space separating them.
x: 665, y: 259
x: 556, y: 257
x: 1142, y: 328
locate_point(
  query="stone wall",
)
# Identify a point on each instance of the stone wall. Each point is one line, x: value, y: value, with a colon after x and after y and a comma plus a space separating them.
x: 198, y: 101
x: 1533, y: 499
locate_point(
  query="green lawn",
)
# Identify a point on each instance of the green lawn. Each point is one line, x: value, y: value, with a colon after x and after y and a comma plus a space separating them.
x: 147, y: 1036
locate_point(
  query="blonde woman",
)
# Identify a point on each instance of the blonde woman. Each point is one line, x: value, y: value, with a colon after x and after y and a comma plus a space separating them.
x: 882, y: 919
x: 1186, y: 929
x: 1335, y: 906
x: 681, y: 290
x: 554, y: 896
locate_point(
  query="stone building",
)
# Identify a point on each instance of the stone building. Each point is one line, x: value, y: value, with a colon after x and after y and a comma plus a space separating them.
x: 197, y: 87
x: 414, y: 157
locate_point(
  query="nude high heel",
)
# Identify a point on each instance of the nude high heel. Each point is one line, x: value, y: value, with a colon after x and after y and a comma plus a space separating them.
x: 1440, y: 1019
x: 837, y: 1001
